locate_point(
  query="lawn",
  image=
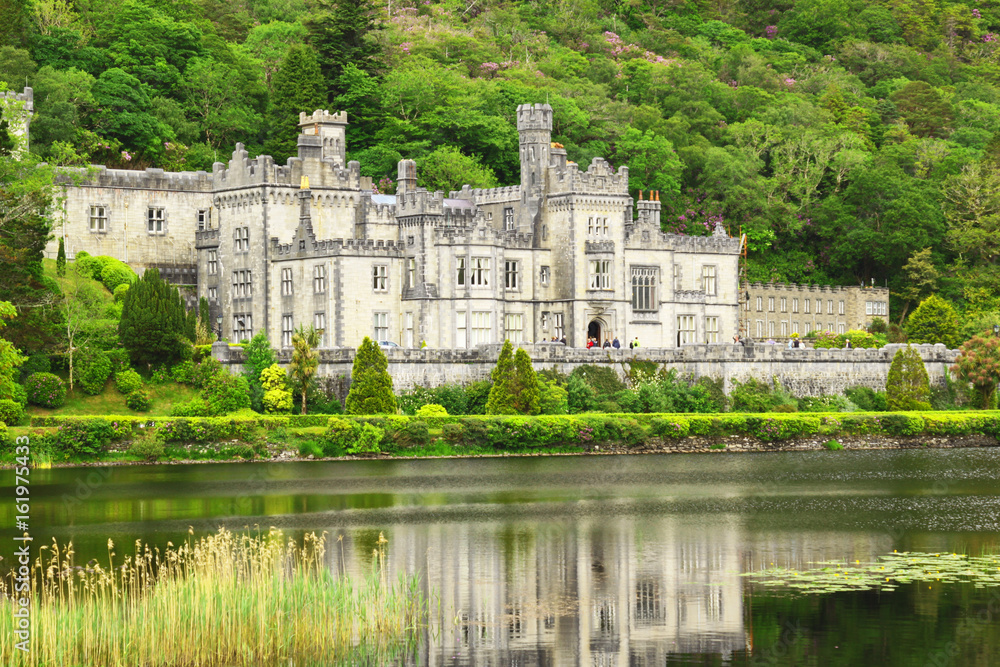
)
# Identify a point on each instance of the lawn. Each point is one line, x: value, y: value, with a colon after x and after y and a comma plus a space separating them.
x: 110, y: 402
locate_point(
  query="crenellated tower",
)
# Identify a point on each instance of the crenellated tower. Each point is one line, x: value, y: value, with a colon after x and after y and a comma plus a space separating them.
x: 534, y: 129
x: 332, y: 130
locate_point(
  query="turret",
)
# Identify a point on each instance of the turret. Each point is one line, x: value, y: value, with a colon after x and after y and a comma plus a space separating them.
x: 332, y: 130
x: 534, y: 129
x: 649, y: 209
x: 406, y: 177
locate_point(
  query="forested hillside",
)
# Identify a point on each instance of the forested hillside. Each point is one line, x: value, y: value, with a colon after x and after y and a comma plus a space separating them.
x: 852, y: 140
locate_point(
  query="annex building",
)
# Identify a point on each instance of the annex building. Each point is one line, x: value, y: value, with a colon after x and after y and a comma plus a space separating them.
x: 565, y: 253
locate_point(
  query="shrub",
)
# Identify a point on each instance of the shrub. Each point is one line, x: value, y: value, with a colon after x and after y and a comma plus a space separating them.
x: 36, y: 363
x: 148, y: 447
x: 277, y: 398
x: 895, y: 424
x: 196, y: 407
x: 827, y: 403
x: 139, y: 400
x: 183, y: 372
x: 366, y: 440
x: 431, y: 410
x: 89, y: 437
x: 348, y: 436
x: 205, y: 371
x: 603, y: 380
x: 674, y: 427
x: 454, y: 433
x: 474, y: 432
x: 878, y: 326
x: 310, y: 448
x: 226, y: 393
x: 785, y: 407
x: 115, y: 274
x: 867, y: 399
x: 934, y: 321
x: 128, y: 381
x: 371, y: 385
x: 45, y: 390
x: 19, y: 394
x: 92, y: 372
x: 413, y: 434
x: 833, y: 445
x: 160, y: 375
x: 119, y: 360
x: 907, y: 386
x: 753, y: 395
x: 11, y: 412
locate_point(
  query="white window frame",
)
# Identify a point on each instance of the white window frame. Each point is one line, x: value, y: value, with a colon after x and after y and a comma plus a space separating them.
x: 709, y: 283
x: 600, y: 274
x: 408, y: 335
x: 286, y: 282
x: 213, y: 262
x: 287, y: 328
x: 244, y: 332
x: 644, y: 279
x: 511, y: 269
x: 760, y: 304
x: 806, y: 303
x: 213, y: 293
x: 204, y: 218
x: 319, y: 279
x: 513, y: 327
x: 557, y: 326
x: 795, y: 305
x: 319, y: 324
x: 480, y: 274
x: 380, y: 278
x: 461, y: 330
x: 380, y: 322
x: 481, y: 329
x: 508, y: 219
x: 840, y: 307
x: 783, y: 304
x: 686, y: 330
x: 156, y: 220
x: 770, y: 304
x: 411, y: 272
x: 241, y: 239
x: 711, y: 329
x: 242, y: 283
x: 99, y: 218
x: 461, y: 274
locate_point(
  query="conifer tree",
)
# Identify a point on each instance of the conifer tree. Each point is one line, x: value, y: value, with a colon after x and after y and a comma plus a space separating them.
x: 527, y: 399
x: 61, y: 258
x: 258, y: 356
x: 501, y: 400
x: 153, y: 321
x: 343, y: 33
x: 204, y: 313
x: 908, y: 386
x: 297, y: 86
x: 371, y: 384
x: 934, y: 321
x: 191, y: 325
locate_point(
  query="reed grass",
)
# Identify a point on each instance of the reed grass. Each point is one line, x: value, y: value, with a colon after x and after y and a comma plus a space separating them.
x: 225, y: 599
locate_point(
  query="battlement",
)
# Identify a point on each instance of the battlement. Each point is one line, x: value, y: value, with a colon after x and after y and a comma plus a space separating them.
x: 150, y: 179
x: 321, y: 117
x: 819, y: 289
x: 420, y: 202
x: 510, y: 193
x: 208, y: 238
x: 242, y: 171
x: 329, y: 247
x: 600, y: 178
x: 27, y: 96
x: 534, y: 117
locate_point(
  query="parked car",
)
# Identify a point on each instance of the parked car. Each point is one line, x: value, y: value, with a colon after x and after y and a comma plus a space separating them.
x: 387, y: 343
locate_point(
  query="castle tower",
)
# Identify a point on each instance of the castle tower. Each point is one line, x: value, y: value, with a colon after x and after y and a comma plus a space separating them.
x: 16, y: 109
x: 332, y: 129
x: 649, y: 210
x: 406, y: 176
x: 534, y: 129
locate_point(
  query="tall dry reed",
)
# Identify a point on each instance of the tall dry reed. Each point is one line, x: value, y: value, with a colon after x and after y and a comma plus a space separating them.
x: 226, y: 599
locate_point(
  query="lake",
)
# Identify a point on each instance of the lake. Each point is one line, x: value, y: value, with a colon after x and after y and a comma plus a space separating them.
x: 599, y: 560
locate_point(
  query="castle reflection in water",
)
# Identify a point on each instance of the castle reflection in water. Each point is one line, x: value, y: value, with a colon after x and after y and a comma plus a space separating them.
x: 600, y: 591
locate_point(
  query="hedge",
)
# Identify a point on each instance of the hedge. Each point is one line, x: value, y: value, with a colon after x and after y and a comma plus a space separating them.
x: 88, y: 436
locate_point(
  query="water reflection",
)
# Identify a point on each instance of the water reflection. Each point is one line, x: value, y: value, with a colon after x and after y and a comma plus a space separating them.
x: 595, y: 561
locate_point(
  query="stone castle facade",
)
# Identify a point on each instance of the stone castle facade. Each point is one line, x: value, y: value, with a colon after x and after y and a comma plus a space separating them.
x: 566, y: 253
x: 778, y: 310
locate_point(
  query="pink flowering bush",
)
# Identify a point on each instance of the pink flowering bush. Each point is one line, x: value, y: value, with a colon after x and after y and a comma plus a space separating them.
x: 45, y: 390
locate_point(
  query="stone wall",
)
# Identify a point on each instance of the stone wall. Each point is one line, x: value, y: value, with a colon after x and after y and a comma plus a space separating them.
x: 804, y: 372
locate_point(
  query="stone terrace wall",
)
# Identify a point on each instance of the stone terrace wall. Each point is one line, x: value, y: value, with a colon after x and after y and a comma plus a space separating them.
x: 805, y: 372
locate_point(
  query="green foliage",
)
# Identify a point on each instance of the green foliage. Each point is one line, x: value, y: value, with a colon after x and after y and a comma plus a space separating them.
x: 153, y: 314
x: 258, y: 356
x: 305, y: 360
x: 907, y: 386
x: 431, y: 410
x: 978, y: 363
x: 226, y: 393
x: 552, y: 399
x: 45, y: 390
x: 502, y: 400
x: 277, y: 397
x: 61, y: 258
x: 297, y: 86
x: 934, y: 321
x: 92, y: 372
x: 183, y: 373
x: 36, y: 363
x: 139, y: 401
x: 11, y: 412
x: 581, y: 397
x: 344, y: 436
x: 867, y: 399
x: 371, y: 384
x: 859, y: 339
x: 447, y: 169
x: 833, y: 445
x: 128, y: 381
x: 147, y: 447
x: 525, y: 385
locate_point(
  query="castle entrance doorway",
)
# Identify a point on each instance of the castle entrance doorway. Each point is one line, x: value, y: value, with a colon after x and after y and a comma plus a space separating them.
x: 595, y: 331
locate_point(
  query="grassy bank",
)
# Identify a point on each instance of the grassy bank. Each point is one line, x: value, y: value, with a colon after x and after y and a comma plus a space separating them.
x: 108, y: 438
x: 226, y: 599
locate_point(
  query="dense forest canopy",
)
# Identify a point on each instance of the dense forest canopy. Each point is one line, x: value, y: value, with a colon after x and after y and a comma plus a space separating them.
x: 852, y: 141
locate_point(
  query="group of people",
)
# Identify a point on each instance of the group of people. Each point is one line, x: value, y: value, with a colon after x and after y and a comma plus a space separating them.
x: 611, y: 343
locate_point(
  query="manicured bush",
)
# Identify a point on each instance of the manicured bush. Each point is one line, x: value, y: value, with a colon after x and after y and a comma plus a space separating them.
x: 128, y: 381
x: 148, y: 447
x: 139, y: 400
x: 413, y: 434
x: 11, y: 412
x: 88, y: 438
x: 92, y: 371
x: 45, y: 390
x: 226, y: 393
x: 431, y: 410
x: 867, y: 399
x: 366, y: 440
x: 673, y: 427
x: 453, y: 433
x: 907, y: 387
x: 371, y: 384
x: 934, y: 321
x: 196, y: 407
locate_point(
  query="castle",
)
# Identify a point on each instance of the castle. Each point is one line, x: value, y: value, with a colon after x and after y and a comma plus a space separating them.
x: 565, y: 254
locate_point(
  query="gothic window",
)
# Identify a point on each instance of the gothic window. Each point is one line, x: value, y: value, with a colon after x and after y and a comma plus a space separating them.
x: 600, y: 274
x: 510, y: 274
x: 242, y: 284
x: 513, y: 327
x: 319, y: 279
x: 770, y: 304
x: 319, y: 324
x: 708, y: 279
x: 711, y: 329
x: 241, y: 240
x: 557, y: 324
x: 380, y: 278
x: 685, y: 329
x: 784, y: 305
x: 795, y: 305
x: 99, y: 219
x: 760, y: 304
x: 508, y: 218
x: 480, y: 271
x: 460, y: 271
x: 286, y: 330
x: 242, y: 326
x: 286, y: 282
x: 644, y: 288
x: 805, y: 305
x: 381, y: 326
x: 543, y: 275
x: 213, y: 262
x: 154, y: 220
x: 829, y: 306
x: 481, y: 329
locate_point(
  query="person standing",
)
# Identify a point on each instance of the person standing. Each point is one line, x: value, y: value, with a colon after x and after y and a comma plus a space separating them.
x: 615, y: 344
x: 607, y: 343
x: 635, y: 343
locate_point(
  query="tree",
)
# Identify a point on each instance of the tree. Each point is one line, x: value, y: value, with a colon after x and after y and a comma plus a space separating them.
x: 10, y: 358
x: 81, y: 304
x: 501, y: 400
x: 297, y: 86
x: 61, y: 258
x: 934, y: 321
x: 342, y: 31
x: 447, y: 169
x: 924, y: 109
x: 371, y: 384
x: 258, y: 356
x: 920, y: 279
x: 305, y: 359
x: 123, y: 113
x: 277, y: 398
x: 978, y: 363
x: 652, y: 162
x: 205, y: 313
x: 908, y: 387
x: 153, y: 322
x: 525, y: 385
